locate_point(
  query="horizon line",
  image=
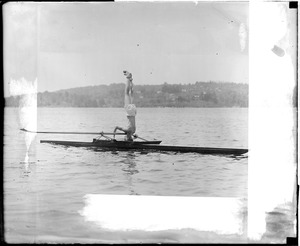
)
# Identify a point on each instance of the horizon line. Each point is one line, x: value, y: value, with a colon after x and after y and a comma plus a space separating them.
x: 211, y: 81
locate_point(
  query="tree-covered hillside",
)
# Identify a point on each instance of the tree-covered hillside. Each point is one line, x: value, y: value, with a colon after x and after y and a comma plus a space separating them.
x: 200, y: 94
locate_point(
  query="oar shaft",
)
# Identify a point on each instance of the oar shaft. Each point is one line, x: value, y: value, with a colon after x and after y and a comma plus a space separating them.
x: 93, y: 133
x: 111, y: 133
x: 140, y: 138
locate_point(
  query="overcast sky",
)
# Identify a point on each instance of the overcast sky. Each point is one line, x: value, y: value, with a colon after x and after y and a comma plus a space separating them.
x: 69, y: 45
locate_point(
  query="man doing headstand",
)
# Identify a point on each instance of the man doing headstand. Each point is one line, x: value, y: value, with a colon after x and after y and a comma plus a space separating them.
x: 129, y: 108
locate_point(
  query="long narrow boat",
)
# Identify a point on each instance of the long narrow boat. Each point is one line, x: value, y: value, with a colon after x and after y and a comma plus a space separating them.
x: 153, y: 145
x: 147, y: 145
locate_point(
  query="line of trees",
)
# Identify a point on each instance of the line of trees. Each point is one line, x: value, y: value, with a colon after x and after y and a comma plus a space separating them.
x: 199, y: 94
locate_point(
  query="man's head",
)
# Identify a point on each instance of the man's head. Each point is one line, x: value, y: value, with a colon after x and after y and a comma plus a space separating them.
x: 128, y: 137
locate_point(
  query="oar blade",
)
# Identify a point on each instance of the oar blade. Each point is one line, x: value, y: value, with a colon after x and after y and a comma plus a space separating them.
x: 91, y: 133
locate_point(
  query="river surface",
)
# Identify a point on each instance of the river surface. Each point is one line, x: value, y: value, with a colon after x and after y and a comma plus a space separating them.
x: 45, y: 185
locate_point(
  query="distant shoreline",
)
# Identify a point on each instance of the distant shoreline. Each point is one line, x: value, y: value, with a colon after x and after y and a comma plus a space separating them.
x: 197, y: 95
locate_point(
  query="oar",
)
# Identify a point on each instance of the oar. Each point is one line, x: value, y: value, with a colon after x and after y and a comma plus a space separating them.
x: 136, y: 136
x: 93, y: 133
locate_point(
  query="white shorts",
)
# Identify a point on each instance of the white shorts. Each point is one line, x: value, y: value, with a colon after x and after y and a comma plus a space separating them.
x: 130, y: 110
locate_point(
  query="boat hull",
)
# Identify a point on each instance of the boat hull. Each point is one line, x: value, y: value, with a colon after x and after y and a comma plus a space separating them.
x: 123, y: 145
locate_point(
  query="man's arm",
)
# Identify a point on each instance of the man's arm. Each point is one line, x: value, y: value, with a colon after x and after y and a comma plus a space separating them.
x: 119, y: 128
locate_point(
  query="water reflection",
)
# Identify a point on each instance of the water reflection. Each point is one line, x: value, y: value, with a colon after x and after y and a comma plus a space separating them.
x: 130, y: 167
x: 239, y: 157
x: 129, y: 170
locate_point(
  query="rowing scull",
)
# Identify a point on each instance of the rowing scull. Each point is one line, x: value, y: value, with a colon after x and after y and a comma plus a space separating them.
x: 150, y: 145
x: 153, y: 145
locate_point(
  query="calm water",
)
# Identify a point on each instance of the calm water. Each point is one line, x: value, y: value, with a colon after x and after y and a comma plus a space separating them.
x: 43, y: 196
